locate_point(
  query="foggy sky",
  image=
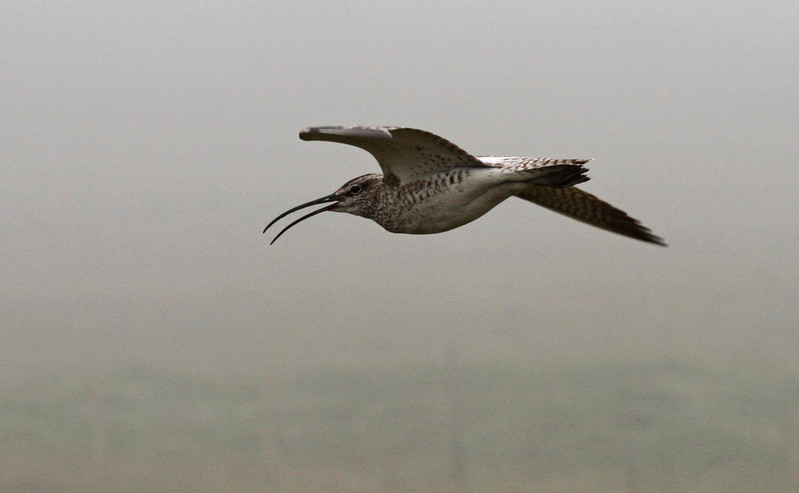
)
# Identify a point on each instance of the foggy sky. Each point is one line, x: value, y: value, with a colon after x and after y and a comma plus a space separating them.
x: 143, y: 147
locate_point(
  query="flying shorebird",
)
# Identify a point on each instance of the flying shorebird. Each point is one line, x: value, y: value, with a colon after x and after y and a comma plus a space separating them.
x: 430, y: 185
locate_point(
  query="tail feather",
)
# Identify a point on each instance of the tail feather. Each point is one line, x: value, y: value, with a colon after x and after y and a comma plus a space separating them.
x: 561, y: 176
x: 583, y: 206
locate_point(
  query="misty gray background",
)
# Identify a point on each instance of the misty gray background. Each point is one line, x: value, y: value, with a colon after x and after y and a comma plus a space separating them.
x: 144, y: 146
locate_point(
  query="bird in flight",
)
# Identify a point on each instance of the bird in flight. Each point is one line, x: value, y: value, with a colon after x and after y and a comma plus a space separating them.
x: 430, y: 185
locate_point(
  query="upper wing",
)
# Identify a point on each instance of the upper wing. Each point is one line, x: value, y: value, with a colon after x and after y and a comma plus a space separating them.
x: 404, y: 154
x: 587, y: 208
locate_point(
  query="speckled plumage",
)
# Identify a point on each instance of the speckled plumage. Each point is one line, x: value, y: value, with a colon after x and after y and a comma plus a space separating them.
x: 430, y: 185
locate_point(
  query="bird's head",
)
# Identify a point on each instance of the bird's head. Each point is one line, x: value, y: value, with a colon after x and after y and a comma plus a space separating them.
x: 357, y: 197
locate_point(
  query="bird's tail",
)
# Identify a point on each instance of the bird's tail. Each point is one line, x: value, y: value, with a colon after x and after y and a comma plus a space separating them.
x: 561, y: 175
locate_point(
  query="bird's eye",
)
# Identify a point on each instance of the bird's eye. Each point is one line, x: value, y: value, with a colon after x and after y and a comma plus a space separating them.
x: 355, y: 189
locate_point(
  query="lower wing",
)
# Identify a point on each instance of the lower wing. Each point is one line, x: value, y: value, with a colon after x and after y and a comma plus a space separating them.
x: 585, y: 207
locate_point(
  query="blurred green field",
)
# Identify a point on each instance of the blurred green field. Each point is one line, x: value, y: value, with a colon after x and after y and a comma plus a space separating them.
x: 602, y: 427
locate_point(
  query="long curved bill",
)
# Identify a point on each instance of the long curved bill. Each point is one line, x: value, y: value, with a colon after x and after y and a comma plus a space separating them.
x: 323, y: 200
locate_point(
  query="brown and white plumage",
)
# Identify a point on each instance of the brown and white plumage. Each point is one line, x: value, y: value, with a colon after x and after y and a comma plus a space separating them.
x: 430, y: 185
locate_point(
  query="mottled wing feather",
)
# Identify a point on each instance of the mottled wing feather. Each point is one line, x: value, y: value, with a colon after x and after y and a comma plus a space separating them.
x: 404, y: 154
x: 587, y: 208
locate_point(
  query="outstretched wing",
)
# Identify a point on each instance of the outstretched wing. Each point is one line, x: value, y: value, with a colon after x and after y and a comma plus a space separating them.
x: 404, y: 154
x: 587, y: 208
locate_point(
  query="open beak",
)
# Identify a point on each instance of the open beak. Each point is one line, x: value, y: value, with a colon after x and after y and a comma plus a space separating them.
x: 330, y: 198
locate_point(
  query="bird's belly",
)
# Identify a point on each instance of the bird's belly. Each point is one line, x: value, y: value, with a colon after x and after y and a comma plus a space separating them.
x: 441, y: 211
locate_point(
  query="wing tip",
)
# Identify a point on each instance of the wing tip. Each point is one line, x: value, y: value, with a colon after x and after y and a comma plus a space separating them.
x: 648, y: 237
x: 336, y: 133
x: 308, y: 133
x: 638, y: 231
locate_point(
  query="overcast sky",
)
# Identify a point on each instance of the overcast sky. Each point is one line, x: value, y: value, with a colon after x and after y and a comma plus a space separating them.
x: 144, y: 146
